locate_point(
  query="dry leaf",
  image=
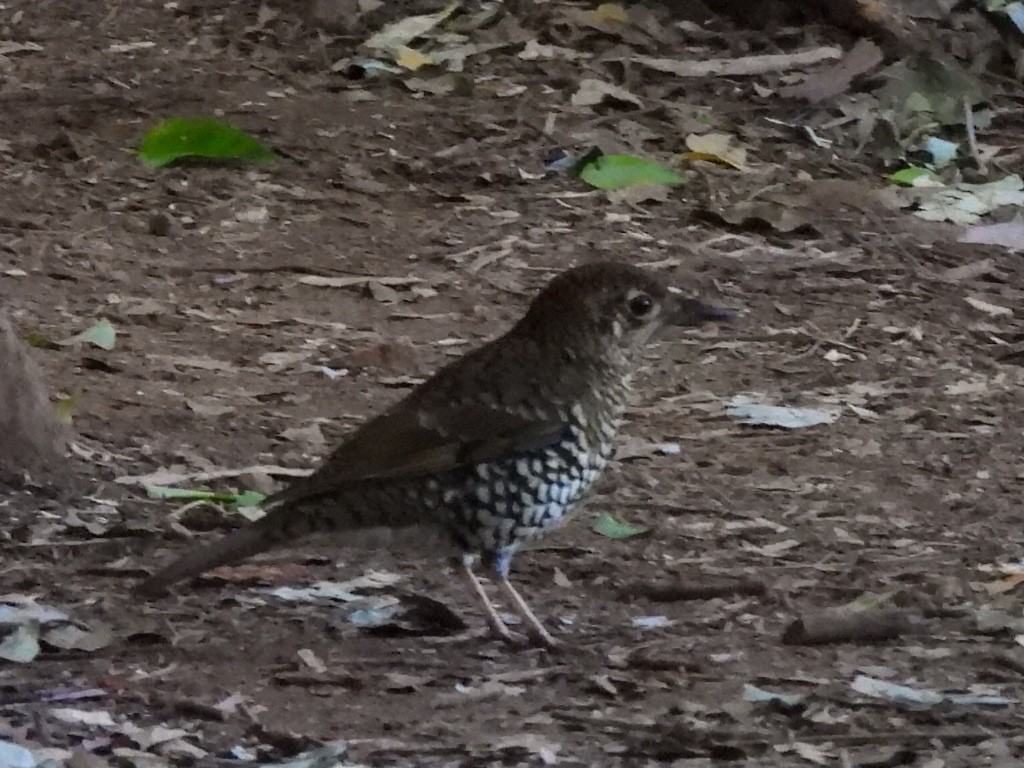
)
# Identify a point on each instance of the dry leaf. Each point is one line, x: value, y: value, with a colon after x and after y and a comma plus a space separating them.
x: 989, y: 309
x: 834, y: 80
x: 354, y: 281
x: 593, y: 92
x: 209, y: 406
x: 1009, y: 234
x: 717, y: 148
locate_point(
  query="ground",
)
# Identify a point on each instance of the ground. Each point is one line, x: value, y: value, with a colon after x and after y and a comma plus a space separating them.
x: 908, y: 499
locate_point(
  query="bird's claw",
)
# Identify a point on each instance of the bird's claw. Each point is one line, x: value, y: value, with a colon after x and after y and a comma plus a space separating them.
x: 532, y: 638
x: 541, y: 638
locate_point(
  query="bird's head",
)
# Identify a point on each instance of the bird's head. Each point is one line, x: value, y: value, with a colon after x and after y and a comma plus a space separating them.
x: 612, y: 308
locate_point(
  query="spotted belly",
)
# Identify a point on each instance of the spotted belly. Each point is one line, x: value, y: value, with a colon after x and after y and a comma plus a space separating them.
x: 505, y: 504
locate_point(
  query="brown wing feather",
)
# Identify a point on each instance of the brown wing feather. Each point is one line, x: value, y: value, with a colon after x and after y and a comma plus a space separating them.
x: 411, y: 442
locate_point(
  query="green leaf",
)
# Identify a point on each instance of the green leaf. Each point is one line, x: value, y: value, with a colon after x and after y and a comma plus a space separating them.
x: 246, y: 499
x: 613, y: 528
x: 65, y: 408
x: 101, y: 335
x: 177, y: 137
x: 249, y: 499
x: 909, y: 176
x: 621, y: 171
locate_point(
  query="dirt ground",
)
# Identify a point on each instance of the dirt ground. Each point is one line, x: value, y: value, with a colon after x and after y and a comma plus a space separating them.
x: 912, y: 496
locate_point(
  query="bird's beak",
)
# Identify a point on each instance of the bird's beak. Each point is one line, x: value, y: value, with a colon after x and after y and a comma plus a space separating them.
x: 689, y: 312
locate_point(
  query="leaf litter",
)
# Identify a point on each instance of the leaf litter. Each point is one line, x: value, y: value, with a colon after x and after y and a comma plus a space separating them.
x: 779, y: 255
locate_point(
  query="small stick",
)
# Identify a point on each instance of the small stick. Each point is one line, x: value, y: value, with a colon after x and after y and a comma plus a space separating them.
x: 870, y: 626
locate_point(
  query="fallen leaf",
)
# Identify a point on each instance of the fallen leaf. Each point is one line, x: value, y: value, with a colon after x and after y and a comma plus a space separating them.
x: 610, y: 12
x: 206, y: 137
x: 593, y: 92
x: 777, y: 215
x: 15, y: 756
x: 398, y: 34
x: 943, y: 152
x: 412, y: 59
x: 1004, y: 584
x: 74, y: 637
x: 915, y: 177
x: 1009, y: 234
x: 621, y: 171
x: 748, y: 411
x: 245, y: 499
x: 309, y: 435
x: 716, y: 148
x: 209, y: 406
x: 311, y: 660
x: 835, y: 79
x: 613, y: 528
x: 808, y: 752
x: 534, y: 51
x: 757, y: 695
x: 94, y: 717
x: 19, y: 642
x: 905, y: 694
x: 101, y: 335
x: 993, y: 310
x: 965, y: 203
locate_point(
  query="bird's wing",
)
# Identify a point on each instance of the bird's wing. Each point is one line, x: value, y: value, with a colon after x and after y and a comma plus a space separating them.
x: 412, y: 442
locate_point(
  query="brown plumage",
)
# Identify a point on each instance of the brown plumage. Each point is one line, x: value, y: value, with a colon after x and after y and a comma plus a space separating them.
x: 496, y: 447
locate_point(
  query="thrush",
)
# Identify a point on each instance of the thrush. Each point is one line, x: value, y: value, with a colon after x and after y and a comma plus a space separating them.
x: 493, y: 450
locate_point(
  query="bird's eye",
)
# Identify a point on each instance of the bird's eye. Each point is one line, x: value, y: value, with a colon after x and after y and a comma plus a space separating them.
x: 641, y: 305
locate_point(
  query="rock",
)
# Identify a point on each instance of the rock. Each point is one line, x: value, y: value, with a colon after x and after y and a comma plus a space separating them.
x: 32, y: 439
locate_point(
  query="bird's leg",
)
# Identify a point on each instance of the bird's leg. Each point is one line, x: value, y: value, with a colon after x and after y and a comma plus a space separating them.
x: 534, y: 629
x: 497, y: 626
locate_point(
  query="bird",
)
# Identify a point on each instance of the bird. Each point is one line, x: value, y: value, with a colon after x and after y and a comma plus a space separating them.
x: 494, y: 449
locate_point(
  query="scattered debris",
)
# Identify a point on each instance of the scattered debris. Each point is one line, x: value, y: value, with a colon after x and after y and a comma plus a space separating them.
x: 905, y: 694
x: 749, y: 411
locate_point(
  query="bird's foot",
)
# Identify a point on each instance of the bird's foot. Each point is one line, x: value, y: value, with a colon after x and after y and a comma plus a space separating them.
x: 531, y: 636
x: 534, y: 635
x: 540, y: 637
x: 500, y: 631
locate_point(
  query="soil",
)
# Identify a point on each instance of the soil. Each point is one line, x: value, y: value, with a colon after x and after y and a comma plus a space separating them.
x: 910, y: 499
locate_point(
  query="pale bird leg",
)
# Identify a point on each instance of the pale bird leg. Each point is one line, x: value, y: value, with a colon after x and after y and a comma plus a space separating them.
x: 494, y: 621
x: 534, y: 629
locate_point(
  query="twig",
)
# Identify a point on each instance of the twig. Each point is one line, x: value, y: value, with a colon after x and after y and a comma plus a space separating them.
x: 744, y: 65
x: 972, y: 136
x: 851, y: 627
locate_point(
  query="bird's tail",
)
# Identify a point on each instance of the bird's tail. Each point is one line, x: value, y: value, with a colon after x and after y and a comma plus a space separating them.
x: 277, y: 527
